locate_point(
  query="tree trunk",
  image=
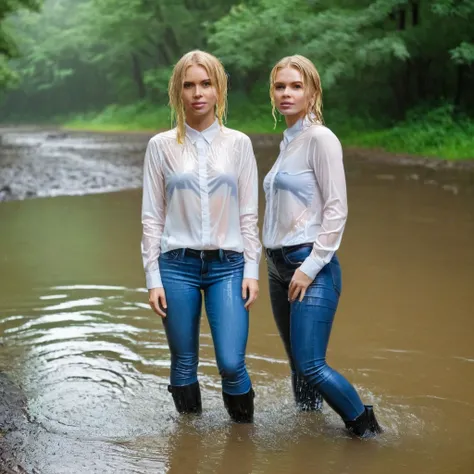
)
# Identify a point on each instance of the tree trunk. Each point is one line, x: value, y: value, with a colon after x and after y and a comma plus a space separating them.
x: 402, y: 19
x: 415, y: 13
x: 138, y: 76
x: 462, y: 70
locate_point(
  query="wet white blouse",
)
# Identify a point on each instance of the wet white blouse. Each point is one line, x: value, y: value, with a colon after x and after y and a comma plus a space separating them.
x: 202, y: 194
x: 305, y: 194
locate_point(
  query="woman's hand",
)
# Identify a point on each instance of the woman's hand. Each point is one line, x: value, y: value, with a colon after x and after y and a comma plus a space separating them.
x: 249, y: 291
x: 298, y: 286
x: 157, y: 300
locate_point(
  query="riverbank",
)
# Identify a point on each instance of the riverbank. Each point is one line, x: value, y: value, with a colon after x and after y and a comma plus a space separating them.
x: 431, y: 135
x: 13, y: 421
x: 46, y: 162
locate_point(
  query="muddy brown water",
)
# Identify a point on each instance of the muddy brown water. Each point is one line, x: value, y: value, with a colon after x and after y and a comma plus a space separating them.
x: 92, y: 360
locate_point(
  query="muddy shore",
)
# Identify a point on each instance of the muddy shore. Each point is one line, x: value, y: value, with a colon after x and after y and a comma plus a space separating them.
x: 37, y: 162
x: 13, y: 422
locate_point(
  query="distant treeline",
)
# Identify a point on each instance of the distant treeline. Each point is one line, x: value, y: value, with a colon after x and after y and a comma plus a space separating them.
x: 377, y: 58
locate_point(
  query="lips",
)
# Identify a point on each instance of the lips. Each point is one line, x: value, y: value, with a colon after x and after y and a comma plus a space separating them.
x: 285, y: 105
x: 198, y: 105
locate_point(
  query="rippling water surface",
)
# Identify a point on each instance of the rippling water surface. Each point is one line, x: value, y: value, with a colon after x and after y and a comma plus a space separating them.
x: 78, y: 337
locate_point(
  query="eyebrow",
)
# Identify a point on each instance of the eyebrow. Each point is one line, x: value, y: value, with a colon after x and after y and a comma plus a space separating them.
x: 186, y: 83
x: 292, y: 83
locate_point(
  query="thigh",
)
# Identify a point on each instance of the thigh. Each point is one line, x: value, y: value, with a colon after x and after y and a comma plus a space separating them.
x: 312, y: 318
x: 184, y: 300
x: 280, y: 306
x: 228, y: 318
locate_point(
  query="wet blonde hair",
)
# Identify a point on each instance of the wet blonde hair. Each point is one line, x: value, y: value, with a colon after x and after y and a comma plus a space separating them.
x: 218, y: 78
x: 311, y: 80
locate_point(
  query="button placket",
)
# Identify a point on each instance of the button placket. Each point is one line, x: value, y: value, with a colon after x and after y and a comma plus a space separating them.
x: 204, y: 191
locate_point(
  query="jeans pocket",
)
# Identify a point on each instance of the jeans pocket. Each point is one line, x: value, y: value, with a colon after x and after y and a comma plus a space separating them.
x: 171, y: 254
x: 233, y: 257
x: 297, y: 256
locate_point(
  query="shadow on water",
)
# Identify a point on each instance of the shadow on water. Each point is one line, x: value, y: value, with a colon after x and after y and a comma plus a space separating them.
x: 80, y: 348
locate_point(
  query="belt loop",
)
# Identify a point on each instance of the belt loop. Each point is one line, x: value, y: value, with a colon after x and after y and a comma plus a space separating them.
x: 182, y: 253
x: 202, y: 255
x: 221, y: 255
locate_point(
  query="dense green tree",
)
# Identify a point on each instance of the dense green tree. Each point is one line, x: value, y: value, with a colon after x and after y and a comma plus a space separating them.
x: 8, y: 48
x: 376, y: 57
x: 416, y: 48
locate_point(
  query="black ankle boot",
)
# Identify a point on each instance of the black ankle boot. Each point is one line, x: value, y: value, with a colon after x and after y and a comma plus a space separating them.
x: 307, y: 398
x: 187, y: 398
x: 240, y: 407
x: 365, y: 425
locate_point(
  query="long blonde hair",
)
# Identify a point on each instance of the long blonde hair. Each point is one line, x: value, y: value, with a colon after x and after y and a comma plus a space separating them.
x: 311, y: 79
x: 218, y: 78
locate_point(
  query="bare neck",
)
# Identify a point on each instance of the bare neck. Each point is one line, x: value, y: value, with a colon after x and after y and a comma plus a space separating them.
x: 201, y: 123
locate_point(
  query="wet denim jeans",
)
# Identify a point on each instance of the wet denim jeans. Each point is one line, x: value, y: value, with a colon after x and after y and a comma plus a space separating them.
x: 305, y: 326
x: 218, y: 274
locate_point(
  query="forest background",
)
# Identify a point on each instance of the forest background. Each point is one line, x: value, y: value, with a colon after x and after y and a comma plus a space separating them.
x: 397, y: 74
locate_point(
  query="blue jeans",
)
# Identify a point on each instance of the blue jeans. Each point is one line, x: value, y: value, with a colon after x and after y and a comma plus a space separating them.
x: 305, y: 326
x: 220, y: 278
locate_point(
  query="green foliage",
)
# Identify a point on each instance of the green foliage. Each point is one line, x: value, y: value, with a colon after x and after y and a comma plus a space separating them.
x: 340, y: 41
x: 379, y: 60
x: 8, y: 48
x: 463, y: 54
x: 429, y: 133
x: 136, y: 117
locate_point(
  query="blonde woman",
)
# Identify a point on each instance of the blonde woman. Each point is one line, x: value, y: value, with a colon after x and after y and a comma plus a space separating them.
x: 305, y: 215
x: 200, y: 234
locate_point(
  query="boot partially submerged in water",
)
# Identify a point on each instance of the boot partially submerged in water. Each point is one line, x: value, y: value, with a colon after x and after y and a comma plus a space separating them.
x: 187, y: 398
x: 307, y: 398
x: 365, y: 425
x: 240, y: 407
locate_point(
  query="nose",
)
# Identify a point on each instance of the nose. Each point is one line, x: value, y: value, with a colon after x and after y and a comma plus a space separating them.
x: 197, y: 92
x: 286, y: 92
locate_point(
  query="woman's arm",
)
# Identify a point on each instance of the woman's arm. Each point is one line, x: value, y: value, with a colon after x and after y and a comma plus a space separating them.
x: 153, y: 213
x: 248, y: 207
x: 326, y: 161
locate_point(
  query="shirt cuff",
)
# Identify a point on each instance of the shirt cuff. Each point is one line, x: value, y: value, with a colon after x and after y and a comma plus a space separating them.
x: 251, y: 270
x: 153, y: 280
x: 312, y: 266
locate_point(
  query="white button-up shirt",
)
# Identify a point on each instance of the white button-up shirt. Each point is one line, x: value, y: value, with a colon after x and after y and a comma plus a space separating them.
x: 306, y: 194
x: 202, y: 195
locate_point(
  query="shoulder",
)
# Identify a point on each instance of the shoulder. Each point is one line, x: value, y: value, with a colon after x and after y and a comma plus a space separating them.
x: 235, y: 135
x: 323, y: 142
x: 163, y: 138
x: 320, y: 135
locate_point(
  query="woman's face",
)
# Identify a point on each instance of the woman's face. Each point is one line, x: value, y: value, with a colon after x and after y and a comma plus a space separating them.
x: 289, y: 94
x: 199, y: 94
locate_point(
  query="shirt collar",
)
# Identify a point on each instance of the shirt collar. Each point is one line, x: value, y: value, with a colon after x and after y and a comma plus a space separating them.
x: 291, y: 133
x: 208, y: 134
